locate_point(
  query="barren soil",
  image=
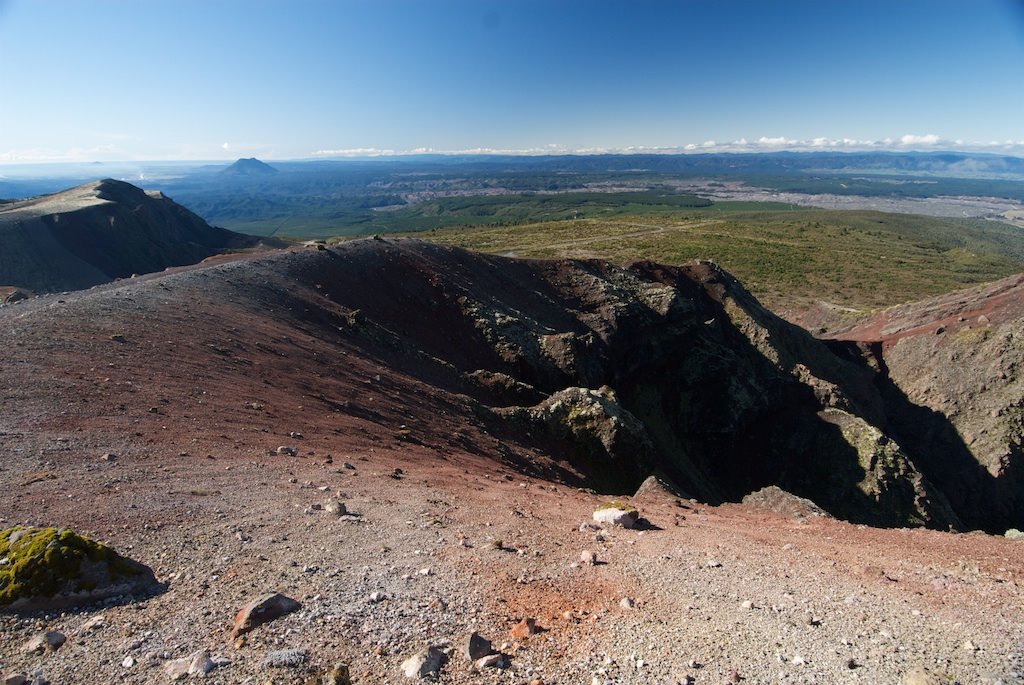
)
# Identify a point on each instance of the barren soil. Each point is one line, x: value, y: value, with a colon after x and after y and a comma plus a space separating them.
x: 192, y: 387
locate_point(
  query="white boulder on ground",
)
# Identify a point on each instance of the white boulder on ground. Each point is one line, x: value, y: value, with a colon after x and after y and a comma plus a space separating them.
x: 616, y: 514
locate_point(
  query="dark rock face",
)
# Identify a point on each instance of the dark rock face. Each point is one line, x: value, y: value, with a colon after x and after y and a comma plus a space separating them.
x: 949, y: 370
x: 619, y: 373
x: 101, y: 231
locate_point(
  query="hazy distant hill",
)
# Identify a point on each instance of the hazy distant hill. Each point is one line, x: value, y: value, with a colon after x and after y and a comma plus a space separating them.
x: 249, y: 167
x: 100, y: 231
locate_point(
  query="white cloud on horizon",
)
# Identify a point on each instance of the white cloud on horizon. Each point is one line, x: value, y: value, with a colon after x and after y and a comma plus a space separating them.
x: 927, y: 140
x: 906, y: 142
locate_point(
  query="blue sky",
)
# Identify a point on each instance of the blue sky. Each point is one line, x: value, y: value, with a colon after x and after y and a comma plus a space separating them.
x: 217, y: 79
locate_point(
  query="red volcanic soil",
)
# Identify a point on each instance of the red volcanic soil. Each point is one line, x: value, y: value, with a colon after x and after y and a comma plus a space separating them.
x: 193, y: 379
x: 992, y: 303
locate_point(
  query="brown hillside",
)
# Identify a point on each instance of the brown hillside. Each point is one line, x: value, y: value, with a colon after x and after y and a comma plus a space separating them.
x: 457, y: 403
x: 100, y: 231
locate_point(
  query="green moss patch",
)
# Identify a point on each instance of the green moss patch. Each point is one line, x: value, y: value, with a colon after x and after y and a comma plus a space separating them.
x: 40, y: 564
x: 616, y: 504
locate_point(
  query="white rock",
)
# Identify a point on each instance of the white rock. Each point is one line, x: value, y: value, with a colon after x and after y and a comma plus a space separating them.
x: 377, y: 597
x: 616, y: 517
x: 747, y: 604
x: 128, y: 662
x: 626, y: 603
x: 284, y: 450
x: 491, y: 661
x: 587, y: 557
x: 423, y: 663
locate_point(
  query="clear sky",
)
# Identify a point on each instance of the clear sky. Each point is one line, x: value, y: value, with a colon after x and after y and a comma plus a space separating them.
x: 219, y: 79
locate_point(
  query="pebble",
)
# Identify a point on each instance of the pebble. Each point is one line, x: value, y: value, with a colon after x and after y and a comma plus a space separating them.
x: 128, y: 662
x: 48, y: 641
x: 587, y: 557
x: 476, y: 647
x: 627, y: 603
x: 524, y: 629
x: 261, y: 610
x: 377, y: 597
x: 284, y: 450
x: 491, y: 661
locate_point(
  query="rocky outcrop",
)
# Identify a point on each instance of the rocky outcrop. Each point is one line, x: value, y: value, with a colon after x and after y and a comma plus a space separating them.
x: 47, y: 568
x: 948, y: 369
x: 584, y: 372
x: 618, y: 373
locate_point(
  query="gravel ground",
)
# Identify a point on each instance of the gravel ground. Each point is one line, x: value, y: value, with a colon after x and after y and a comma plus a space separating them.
x: 456, y: 542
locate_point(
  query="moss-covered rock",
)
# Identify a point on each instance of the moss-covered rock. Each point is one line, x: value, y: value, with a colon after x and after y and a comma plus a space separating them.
x: 43, y: 568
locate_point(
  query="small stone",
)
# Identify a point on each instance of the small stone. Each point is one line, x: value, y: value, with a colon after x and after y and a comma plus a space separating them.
x: 284, y: 450
x: 177, y: 669
x: 377, y: 597
x: 424, y: 663
x: 587, y: 557
x: 128, y: 662
x: 524, y: 629
x: 49, y: 641
x: 425, y: 571
x: 747, y: 604
x: 16, y: 679
x: 336, y: 507
x: 339, y: 675
x: 94, y: 623
x: 922, y: 676
x: 491, y: 661
x: 798, y: 660
x: 285, y: 658
x: 295, y: 435
x: 201, y: 663
x: 109, y: 456
x: 261, y: 610
x: 970, y: 646
x: 713, y: 563
x: 627, y: 603
x: 476, y: 647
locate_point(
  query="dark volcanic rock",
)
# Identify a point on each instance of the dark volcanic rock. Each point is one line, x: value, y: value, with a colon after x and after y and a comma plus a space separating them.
x: 643, y: 369
x: 949, y: 369
x: 579, y: 371
x: 100, y: 231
